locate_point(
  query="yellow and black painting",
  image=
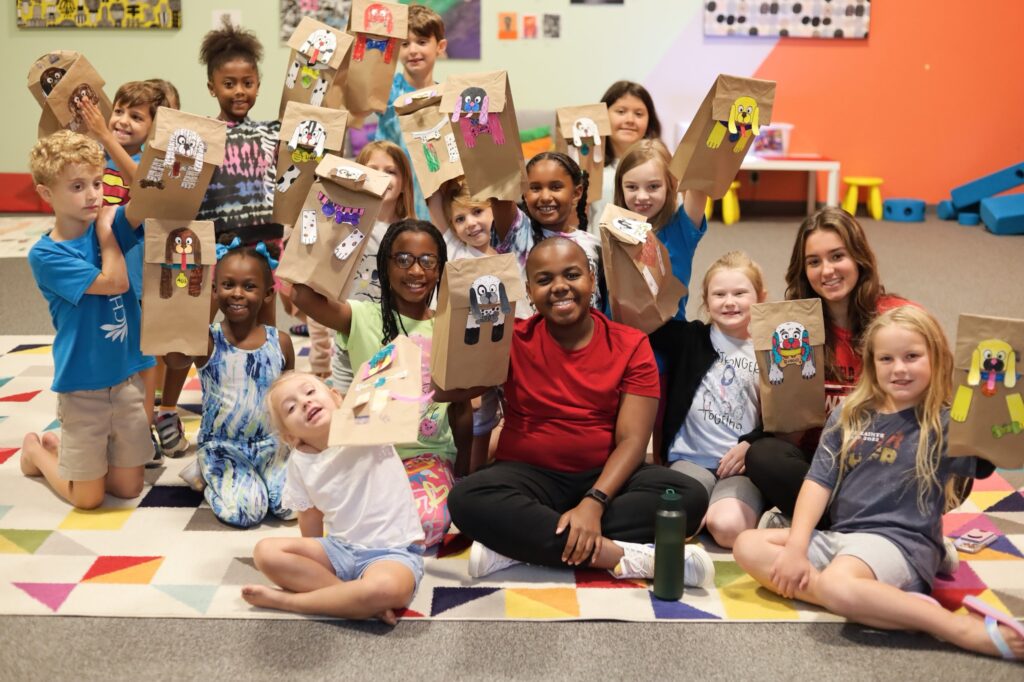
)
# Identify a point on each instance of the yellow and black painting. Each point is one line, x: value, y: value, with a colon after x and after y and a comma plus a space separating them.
x: 99, y: 13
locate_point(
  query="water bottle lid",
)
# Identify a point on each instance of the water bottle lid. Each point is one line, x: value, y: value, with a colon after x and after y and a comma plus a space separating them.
x: 671, y: 500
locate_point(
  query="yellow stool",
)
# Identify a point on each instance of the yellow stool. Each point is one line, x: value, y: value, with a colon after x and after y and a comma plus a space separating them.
x: 730, y: 205
x: 874, y: 202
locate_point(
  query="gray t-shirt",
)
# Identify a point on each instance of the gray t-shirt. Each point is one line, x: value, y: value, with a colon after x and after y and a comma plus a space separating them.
x: 878, y: 493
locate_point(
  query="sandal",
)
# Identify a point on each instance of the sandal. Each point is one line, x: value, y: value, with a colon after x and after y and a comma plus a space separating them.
x: 993, y: 619
x: 299, y: 330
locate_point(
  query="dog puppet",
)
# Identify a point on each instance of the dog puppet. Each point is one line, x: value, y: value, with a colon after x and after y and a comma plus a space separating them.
x: 488, y: 302
x: 742, y: 125
x: 993, y: 362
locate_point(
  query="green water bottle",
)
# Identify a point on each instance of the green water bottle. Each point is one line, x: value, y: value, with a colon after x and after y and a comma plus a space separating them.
x: 669, y: 537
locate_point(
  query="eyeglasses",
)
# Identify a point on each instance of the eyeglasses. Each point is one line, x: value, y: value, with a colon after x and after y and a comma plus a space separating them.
x: 404, y: 260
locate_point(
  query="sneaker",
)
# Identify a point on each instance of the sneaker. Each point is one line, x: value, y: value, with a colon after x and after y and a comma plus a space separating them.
x: 484, y: 561
x: 774, y: 519
x: 950, y: 558
x: 698, y: 568
x: 638, y: 562
x: 158, y: 454
x: 192, y: 475
x: 171, y: 434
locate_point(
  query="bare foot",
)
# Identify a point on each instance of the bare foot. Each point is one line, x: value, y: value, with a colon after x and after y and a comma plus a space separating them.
x: 51, y: 441
x: 389, y: 617
x: 28, y: 468
x: 978, y: 639
x: 263, y: 596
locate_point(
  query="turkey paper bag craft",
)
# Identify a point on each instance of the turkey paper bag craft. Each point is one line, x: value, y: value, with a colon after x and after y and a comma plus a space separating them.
x: 177, y: 164
x: 383, y: 405
x: 475, y: 321
x: 379, y: 28
x: 789, y: 340
x: 721, y: 133
x: 987, y: 417
x: 60, y: 81
x: 177, y: 286
x: 486, y: 133
x: 328, y: 241
x: 641, y: 287
x: 581, y: 133
x: 316, y: 73
x: 307, y: 134
x: 429, y: 137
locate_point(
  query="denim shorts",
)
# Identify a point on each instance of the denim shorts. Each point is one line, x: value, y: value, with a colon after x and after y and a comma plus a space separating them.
x: 350, y: 562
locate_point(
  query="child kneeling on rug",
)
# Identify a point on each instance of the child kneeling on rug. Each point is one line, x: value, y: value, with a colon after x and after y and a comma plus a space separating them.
x: 370, y: 561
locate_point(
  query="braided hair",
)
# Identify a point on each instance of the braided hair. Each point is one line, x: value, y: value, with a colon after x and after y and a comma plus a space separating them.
x: 579, y: 177
x: 392, y: 321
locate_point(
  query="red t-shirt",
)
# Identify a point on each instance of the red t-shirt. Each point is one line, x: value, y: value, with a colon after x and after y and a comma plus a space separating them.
x: 561, y: 406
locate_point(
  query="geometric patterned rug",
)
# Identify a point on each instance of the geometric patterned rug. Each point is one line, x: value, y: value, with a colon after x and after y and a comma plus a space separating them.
x: 164, y: 554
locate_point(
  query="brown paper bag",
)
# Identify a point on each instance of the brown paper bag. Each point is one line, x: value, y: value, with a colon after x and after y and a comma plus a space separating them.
x: 379, y: 28
x: 429, y: 137
x: 987, y: 417
x: 316, y: 66
x: 383, y: 404
x: 176, y: 166
x: 487, y: 134
x: 59, y: 81
x: 642, y: 290
x: 721, y: 133
x: 176, y: 300
x: 307, y: 133
x: 789, y: 343
x: 328, y: 241
x: 475, y: 321
x: 580, y: 133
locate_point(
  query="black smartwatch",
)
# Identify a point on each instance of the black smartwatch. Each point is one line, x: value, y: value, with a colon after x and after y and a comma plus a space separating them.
x: 596, y: 494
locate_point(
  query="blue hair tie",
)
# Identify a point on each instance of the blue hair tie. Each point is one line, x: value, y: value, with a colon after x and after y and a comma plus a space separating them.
x: 259, y: 248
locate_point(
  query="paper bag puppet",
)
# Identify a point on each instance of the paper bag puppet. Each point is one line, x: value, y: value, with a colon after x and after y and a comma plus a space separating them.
x: 475, y: 321
x: 176, y: 166
x: 721, y: 133
x: 581, y: 133
x: 383, y: 404
x: 177, y: 281
x: 328, y: 241
x: 379, y: 29
x: 642, y: 290
x: 60, y: 81
x: 789, y: 340
x: 429, y: 138
x: 307, y: 134
x: 987, y: 417
x: 316, y: 74
x: 486, y: 133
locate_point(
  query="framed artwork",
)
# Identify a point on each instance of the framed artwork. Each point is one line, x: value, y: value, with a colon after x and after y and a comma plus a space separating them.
x: 98, y: 13
x: 807, y: 19
x: 461, y: 25
x: 334, y: 13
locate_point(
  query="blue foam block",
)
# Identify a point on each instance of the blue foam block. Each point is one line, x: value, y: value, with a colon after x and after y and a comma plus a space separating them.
x: 903, y: 210
x: 968, y: 218
x: 1004, y: 215
x: 946, y: 210
x: 989, y: 185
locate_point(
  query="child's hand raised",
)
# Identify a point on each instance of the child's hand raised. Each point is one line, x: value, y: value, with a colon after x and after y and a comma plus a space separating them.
x: 105, y: 222
x: 94, y: 122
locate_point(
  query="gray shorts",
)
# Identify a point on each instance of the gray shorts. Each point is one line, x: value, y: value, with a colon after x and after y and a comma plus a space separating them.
x: 881, y: 555
x: 350, y: 562
x: 738, y: 487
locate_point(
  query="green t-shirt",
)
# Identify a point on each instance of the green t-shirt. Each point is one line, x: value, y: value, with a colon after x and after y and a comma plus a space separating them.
x: 363, y: 341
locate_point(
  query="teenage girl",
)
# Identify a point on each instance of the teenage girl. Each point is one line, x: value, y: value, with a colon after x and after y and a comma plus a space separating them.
x: 713, y: 404
x: 238, y: 456
x: 880, y: 471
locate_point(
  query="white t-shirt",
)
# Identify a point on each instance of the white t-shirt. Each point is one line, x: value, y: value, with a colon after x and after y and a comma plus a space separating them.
x: 726, y: 406
x: 366, y: 285
x: 607, y: 195
x: 362, y: 491
x: 458, y: 249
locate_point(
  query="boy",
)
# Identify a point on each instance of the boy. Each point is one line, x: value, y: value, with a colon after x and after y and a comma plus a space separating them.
x: 80, y: 270
x: 418, y: 55
x: 370, y: 562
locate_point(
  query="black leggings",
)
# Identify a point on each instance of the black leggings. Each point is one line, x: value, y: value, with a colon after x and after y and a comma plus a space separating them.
x: 513, y: 508
x: 778, y: 468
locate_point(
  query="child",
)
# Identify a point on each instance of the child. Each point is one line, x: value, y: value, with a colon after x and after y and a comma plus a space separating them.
x: 80, y: 270
x: 880, y: 471
x: 170, y: 92
x: 418, y: 55
x: 644, y: 185
x: 713, y: 404
x: 410, y: 263
x: 369, y: 562
x: 238, y: 455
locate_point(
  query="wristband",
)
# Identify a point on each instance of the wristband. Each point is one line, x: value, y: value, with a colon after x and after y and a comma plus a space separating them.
x: 596, y: 494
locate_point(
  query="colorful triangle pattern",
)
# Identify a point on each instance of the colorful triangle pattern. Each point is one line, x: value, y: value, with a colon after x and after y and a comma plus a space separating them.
x: 22, y: 541
x: 19, y: 397
x: 550, y: 603
x: 133, y: 570
x: 678, y: 610
x: 52, y: 595
x: 197, y: 597
x: 5, y: 453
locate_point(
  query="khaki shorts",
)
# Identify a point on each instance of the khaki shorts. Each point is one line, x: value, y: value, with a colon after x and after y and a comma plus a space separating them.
x: 103, y: 428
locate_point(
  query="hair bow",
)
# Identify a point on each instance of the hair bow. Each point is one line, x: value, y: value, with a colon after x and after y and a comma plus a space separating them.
x: 259, y: 248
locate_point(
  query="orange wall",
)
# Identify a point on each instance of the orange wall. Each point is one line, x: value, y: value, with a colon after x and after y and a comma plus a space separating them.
x: 932, y: 99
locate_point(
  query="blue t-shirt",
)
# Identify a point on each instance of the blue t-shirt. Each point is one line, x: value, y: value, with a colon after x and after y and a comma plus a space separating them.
x: 97, y: 341
x: 680, y: 236
x: 115, y: 193
x: 389, y: 129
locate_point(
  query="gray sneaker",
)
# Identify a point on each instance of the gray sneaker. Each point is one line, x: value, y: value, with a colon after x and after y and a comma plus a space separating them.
x: 950, y: 558
x: 774, y: 519
x: 171, y: 434
x: 158, y: 454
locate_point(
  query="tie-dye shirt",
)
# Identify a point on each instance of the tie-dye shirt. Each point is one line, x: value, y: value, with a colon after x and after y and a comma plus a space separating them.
x: 235, y: 384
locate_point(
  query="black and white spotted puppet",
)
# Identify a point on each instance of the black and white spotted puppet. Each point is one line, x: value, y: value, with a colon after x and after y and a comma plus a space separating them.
x: 488, y: 302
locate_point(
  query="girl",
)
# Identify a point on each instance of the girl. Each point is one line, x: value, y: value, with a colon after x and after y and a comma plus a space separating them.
x: 237, y: 455
x: 880, y: 471
x: 644, y: 185
x: 713, y: 403
x: 410, y: 262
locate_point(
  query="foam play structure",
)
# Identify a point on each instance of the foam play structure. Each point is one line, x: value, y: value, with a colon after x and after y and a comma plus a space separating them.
x: 976, y: 202
x: 903, y: 210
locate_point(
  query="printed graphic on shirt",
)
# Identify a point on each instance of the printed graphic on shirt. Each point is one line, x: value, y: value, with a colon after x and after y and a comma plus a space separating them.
x: 878, y: 446
x: 727, y: 402
x: 118, y: 330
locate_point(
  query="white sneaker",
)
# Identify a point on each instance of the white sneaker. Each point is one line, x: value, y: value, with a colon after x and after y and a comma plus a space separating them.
x: 484, y: 561
x: 774, y: 519
x: 698, y: 569
x: 950, y: 558
x: 192, y: 475
x: 638, y: 562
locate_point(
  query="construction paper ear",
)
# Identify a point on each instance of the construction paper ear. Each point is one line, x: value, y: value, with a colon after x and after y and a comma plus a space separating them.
x: 754, y: 127
x: 483, y: 110
x: 732, y: 119
x: 458, y: 110
x: 974, y: 373
x: 1010, y: 376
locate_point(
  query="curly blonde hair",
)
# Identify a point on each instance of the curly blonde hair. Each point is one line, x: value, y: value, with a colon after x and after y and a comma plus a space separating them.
x: 51, y: 155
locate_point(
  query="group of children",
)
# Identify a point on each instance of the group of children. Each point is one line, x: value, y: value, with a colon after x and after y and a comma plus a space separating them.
x: 568, y: 485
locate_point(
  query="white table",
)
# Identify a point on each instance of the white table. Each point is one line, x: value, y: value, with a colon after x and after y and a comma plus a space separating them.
x: 811, y: 163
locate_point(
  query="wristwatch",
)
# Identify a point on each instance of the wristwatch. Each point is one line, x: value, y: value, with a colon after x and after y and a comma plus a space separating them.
x: 596, y: 494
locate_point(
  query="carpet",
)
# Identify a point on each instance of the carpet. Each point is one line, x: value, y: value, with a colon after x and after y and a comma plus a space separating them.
x: 19, y: 233
x: 165, y: 555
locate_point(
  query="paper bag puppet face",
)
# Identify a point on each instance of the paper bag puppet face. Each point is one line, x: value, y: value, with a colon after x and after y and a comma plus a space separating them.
x: 789, y: 339
x: 177, y: 286
x: 987, y: 416
x: 315, y: 73
x: 429, y: 137
x: 475, y: 315
x: 60, y: 82
x: 379, y: 29
x: 486, y: 133
x: 729, y: 118
x: 581, y: 133
x: 307, y: 134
